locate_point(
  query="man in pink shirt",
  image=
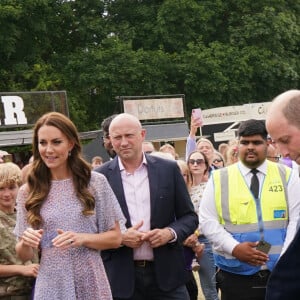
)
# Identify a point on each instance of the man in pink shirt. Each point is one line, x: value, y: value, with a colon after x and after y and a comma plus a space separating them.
x: 160, y: 216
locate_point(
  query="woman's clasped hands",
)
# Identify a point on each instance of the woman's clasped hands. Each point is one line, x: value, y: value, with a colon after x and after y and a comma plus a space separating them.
x: 64, y: 239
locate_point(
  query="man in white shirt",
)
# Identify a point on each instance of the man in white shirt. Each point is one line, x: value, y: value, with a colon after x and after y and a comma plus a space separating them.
x: 249, y: 213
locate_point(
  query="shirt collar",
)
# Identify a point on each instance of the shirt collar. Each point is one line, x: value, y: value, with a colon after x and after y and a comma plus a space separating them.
x: 122, y: 168
x: 245, y: 170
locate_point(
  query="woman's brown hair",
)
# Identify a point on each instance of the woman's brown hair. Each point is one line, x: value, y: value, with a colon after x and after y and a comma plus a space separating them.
x: 39, y: 178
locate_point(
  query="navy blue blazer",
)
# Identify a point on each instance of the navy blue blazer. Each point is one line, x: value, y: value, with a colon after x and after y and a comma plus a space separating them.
x: 284, y: 282
x: 171, y: 206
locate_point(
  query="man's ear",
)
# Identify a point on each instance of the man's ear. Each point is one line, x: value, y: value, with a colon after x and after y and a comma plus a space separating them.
x: 143, y: 133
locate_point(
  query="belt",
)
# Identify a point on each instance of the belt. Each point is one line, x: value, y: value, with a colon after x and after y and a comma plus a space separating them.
x: 262, y: 273
x: 143, y: 263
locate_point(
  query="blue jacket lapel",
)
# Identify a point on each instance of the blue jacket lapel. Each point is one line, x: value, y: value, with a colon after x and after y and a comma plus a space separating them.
x: 153, y: 182
x: 115, y: 181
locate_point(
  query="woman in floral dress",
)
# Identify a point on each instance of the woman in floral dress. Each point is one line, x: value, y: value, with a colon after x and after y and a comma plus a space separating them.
x: 69, y: 213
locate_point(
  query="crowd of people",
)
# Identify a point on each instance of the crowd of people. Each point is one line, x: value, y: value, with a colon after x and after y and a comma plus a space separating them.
x: 144, y: 224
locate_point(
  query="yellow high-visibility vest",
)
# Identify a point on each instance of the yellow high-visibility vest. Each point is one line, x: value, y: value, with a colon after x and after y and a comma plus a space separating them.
x: 250, y: 219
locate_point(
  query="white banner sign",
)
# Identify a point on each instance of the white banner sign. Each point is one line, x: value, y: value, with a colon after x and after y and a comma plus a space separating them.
x: 151, y: 109
x: 224, y: 136
x: 231, y: 114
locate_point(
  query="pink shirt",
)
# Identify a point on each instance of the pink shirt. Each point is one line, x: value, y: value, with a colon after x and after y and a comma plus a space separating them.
x: 137, y: 195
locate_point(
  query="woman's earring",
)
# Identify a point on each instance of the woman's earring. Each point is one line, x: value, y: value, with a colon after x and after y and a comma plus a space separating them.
x: 70, y: 153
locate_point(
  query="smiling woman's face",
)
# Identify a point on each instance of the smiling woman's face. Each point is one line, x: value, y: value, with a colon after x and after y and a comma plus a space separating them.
x: 54, y: 148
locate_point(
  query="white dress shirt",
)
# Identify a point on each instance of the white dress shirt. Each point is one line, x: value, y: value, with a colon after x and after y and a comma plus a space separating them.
x: 223, y: 242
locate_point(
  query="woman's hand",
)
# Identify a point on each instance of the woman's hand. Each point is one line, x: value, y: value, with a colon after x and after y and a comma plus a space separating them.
x: 194, y: 127
x: 32, y: 237
x: 109, y: 239
x: 67, y: 239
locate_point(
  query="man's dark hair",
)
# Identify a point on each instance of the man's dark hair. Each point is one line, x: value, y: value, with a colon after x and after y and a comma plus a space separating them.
x: 106, y: 122
x: 253, y: 127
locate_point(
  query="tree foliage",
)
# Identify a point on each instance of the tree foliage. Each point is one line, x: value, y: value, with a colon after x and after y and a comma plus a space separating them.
x: 215, y: 52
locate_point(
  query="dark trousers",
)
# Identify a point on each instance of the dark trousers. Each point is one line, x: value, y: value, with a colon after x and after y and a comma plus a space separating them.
x: 146, y: 287
x: 191, y: 286
x: 242, y: 287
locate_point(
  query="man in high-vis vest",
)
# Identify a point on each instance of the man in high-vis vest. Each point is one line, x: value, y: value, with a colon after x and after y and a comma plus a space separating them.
x: 249, y: 213
x: 283, y: 124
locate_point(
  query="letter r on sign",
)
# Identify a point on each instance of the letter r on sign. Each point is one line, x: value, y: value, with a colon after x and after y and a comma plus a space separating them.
x: 13, y: 110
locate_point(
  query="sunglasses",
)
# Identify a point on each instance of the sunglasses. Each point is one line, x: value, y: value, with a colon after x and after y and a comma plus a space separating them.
x: 198, y: 161
x: 276, y: 158
x: 217, y: 160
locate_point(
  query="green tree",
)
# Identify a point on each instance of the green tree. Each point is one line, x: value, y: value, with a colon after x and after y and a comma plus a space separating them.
x: 215, y: 52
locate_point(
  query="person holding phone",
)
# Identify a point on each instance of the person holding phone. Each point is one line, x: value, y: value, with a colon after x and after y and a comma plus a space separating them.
x: 249, y: 212
x: 204, y: 145
x: 191, y: 139
x: 197, y: 116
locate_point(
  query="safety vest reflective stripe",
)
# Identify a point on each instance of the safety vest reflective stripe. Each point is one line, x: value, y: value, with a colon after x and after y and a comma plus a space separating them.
x: 240, y: 228
x: 275, y: 249
x: 224, y: 194
x: 250, y: 219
